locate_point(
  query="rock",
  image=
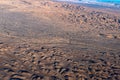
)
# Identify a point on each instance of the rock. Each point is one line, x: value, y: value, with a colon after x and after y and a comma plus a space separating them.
x: 92, y: 61
x: 63, y: 70
x: 36, y: 77
x: 115, y: 67
x: 66, y: 77
x: 15, y: 79
x: 7, y: 69
x: 1, y: 42
x: 91, y: 75
x: 23, y: 71
x: 118, y: 20
x: 55, y: 78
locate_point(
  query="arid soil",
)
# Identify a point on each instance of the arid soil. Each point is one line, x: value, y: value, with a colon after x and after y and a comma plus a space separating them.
x: 49, y: 40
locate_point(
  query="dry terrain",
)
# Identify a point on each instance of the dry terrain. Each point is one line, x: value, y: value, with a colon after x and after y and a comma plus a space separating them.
x: 49, y: 40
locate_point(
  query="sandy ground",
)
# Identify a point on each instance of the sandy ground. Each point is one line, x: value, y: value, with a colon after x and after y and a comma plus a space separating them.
x: 46, y: 40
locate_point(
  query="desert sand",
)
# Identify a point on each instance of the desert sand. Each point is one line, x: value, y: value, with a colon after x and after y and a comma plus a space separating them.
x: 49, y: 40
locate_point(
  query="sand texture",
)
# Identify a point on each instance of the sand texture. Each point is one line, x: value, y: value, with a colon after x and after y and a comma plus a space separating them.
x: 49, y: 40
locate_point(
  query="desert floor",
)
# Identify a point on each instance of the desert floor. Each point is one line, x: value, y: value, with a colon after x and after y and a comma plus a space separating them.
x: 49, y: 40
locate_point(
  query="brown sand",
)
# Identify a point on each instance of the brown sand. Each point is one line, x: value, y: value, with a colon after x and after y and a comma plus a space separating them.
x: 46, y: 40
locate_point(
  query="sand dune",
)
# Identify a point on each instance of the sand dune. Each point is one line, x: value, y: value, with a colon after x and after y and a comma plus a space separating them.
x: 48, y: 40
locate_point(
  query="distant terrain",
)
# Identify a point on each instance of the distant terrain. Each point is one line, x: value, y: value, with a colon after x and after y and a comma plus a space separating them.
x: 50, y: 40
